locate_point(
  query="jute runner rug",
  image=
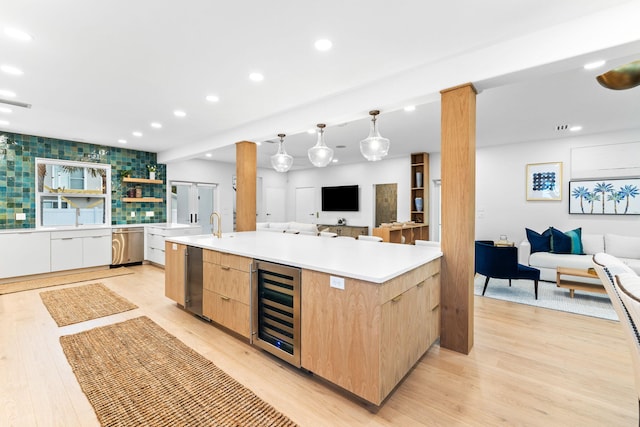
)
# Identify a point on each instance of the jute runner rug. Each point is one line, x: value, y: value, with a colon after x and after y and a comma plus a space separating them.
x: 26, y: 285
x: 82, y: 303
x: 135, y: 373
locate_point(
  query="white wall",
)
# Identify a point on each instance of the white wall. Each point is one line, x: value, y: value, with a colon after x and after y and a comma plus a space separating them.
x: 501, y: 205
x: 217, y: 173
x: 365, y: 175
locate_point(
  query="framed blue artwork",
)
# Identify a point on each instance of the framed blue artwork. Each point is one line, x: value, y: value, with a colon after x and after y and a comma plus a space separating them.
x: 544, y: 181
x: 605, y: 197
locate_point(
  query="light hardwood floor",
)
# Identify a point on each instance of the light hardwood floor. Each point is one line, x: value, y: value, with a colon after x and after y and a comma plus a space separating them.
x: 529, y: 366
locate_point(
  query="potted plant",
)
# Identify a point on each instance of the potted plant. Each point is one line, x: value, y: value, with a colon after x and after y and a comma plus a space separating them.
x: 125, y: 173
x: 152, y: 171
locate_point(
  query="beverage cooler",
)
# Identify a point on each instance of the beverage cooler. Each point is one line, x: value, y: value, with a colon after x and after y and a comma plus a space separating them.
x: 276, y: 310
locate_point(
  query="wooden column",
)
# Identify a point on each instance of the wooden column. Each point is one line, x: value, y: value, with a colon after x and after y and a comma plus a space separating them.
x: 246, y: 175
x: 458, y: 146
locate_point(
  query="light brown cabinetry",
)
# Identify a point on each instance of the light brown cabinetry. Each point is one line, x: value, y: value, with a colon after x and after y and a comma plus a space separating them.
x: 227, y: 290
x: 175, y: 270
x: 407, y: 233
x: 420, y: 187
x: 367, y: 336
x: 345, y: 230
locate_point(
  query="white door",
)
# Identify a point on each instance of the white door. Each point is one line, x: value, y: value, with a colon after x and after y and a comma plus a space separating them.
x: 274, y: 202
x: 192, y: 203
x: 306, y: 210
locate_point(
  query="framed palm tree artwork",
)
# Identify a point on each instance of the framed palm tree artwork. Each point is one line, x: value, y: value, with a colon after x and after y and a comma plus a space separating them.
x: 605, y: 197
x: 544, y: 181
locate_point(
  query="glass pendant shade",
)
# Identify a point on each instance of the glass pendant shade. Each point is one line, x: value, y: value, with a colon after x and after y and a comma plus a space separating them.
x: 320, y: 155
x: 281, y: 161
x: 374, y: 147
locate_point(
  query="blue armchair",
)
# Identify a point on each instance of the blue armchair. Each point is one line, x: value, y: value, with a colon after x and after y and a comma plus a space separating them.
x: 501, y: 262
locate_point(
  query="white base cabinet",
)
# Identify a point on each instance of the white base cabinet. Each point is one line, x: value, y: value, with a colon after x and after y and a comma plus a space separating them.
x: 24, y: 253
x: 80, y: 249
x: 154, y: 249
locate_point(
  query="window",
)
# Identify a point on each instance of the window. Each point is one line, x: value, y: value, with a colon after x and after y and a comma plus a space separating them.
x: 72, y: 193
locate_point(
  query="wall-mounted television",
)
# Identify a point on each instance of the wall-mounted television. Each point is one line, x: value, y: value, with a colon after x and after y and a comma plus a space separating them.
x: 344, y: 198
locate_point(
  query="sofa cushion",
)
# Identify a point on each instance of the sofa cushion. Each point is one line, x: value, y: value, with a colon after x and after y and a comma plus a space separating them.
x: 552, y: 261
x: 569, y: 242
x: 300, y: 226
x: 622, y: 246
x: 280, y: 226
x: 592, y: 243
x: 262, y: 225
x: 539, y: 242
x: 632, y: 263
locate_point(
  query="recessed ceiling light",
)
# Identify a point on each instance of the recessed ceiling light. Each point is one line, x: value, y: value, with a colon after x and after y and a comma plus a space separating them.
x: 7, y: 93
x: 122, y: 141
x: 17, y: 34
x: 334, y: 161
x: 208, y: 154
x: 6, y: 110
x: 323, y: 44
x: 410, y: 108
x: 256, y: 77
x: 10, y: 69
x: 4, y: 123
x: 136, y: 133
x: 595, y: 64
x: 179, y: 113
x: 212, y: 98
x: 156, y: 125
x: 575, y: 128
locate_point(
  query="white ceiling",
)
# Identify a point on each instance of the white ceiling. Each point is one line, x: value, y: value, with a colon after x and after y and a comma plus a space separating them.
x: 97, y: 71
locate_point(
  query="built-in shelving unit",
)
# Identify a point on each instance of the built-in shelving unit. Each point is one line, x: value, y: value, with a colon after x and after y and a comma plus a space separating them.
x: 142, y: 199
x: 142, y: 180
x: 420, y: 165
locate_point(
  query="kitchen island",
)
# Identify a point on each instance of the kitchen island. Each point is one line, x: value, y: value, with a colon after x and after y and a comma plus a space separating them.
x: 368, y: 310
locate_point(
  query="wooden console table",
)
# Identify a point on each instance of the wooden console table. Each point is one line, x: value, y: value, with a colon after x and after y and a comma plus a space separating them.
x: 410, y: 232
x: 572, y: 285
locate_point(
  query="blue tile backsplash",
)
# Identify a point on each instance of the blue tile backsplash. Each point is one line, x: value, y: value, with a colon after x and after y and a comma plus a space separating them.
x: 17, y: 177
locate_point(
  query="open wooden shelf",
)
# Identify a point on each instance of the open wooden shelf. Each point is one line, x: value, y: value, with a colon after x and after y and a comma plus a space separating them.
x: 142, y: 199
x: 142, y: 180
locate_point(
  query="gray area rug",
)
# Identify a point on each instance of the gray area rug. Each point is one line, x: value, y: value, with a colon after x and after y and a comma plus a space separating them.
x: 549, y: 296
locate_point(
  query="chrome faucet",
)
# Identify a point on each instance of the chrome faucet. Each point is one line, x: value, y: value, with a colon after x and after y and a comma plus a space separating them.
x: 218, y: 233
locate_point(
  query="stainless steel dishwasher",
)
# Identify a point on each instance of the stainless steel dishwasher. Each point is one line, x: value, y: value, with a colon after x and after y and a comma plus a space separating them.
x: 127, y: 245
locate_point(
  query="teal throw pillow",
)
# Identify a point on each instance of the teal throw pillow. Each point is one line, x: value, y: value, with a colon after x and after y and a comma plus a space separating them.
x: 569, y: 242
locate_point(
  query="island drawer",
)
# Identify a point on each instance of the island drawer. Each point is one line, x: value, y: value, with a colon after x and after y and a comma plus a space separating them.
x: 227, y: 312
x: 228, y: 282
x: 228, y: 260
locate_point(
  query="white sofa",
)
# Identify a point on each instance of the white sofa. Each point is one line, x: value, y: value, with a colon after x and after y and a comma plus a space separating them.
x: 626, y: 248
x: 288, y: 227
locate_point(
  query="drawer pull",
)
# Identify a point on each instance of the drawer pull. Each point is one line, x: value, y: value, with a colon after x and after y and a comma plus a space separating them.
x: 421, y: 284
x: 225, y: 267
x: 396, y: 299
x: 224, y: 298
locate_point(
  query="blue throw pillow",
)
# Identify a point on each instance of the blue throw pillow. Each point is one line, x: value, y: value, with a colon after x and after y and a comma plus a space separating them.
x: 566, y: 243
x: 539, y: 242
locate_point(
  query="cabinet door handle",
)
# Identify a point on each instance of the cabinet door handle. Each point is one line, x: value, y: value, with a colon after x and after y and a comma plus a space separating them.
x: 223, y: 298
x: 421, y: 284
x: 396, y: 299
x: 225, y: 267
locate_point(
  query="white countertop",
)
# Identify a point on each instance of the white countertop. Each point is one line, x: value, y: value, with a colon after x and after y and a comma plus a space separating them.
x: 364, y: 260
x: 164, y: 225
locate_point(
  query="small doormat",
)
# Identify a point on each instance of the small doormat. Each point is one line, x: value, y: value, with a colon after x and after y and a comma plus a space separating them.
x: 27, y: 285
x: 81, y: 303
x: 135, y: 373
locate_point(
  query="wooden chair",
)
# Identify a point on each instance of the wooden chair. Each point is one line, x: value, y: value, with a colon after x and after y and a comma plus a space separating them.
x: 624, y: 293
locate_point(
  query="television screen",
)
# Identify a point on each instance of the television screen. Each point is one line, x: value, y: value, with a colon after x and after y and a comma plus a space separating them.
x: 344, y: 198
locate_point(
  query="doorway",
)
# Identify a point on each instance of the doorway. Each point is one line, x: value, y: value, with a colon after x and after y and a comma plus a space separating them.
x: 306, y: 210
x: 193, y: 203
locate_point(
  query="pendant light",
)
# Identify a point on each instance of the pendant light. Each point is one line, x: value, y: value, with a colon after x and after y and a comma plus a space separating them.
x: 374, y: 147
x: 320, y: 155
x: 281, y: 161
